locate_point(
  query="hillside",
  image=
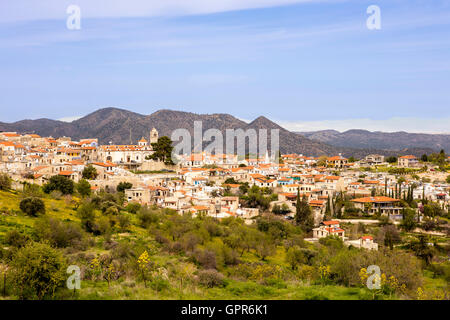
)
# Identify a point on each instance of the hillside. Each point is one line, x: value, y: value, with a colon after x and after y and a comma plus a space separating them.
x: 192, y: 258
x: 380, y: 140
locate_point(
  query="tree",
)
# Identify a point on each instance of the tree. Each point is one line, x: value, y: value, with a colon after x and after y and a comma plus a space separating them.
x: 122, y: 186
x: 133, y: 207
x: 87, y: 217
x: 264, y: 247
x: 391, y: 159
x: 432, y: 210
x: 401, y: 180
x: 422, y: 249
x: 84, y: 188
x: 322, y: 162
x: 424, y: 158
x: 279, y: 157
x: 243, y: 188
x: 390, y: 236
x: 303, y: 214
x: 162, y: 150
x: 294, y: 257
x: 59, y: 183
x: 90, y: 173
x: 5, y: 182
x: 37, y: 271
x: 276, y: 209
x: 32, y: 190
x: 409, y: 219
x: 448, y: 179
x: 230, y: 181
x: 32, y: 206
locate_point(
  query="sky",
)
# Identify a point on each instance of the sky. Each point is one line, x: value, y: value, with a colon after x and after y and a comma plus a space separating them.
x: 308, y: 65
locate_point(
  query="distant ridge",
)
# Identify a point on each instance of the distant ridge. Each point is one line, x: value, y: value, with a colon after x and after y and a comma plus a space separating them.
x: 380, y: 140
x: 115, y: 125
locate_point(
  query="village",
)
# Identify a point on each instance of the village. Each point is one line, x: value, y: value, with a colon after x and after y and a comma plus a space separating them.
x: 335, y: 188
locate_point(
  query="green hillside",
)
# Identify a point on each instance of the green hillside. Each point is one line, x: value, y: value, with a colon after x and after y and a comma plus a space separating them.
x: 194, y: 258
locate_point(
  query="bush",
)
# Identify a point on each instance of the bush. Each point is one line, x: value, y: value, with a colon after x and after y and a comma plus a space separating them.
x: 32, y: 206
x: 60, y: 183
x: 90, y: 173
x: 16, y: 239
x: 124, y: 221
x: 58, y: 233
x: 122, y: 186
x: 210, y: 278
x: 111, y: 211
x: 56, y: 195
x: 206, y: 258
x: 307, y: 273
x: 409, y: 219
x: 5, y: 182
x: 133, y: 207
x: 147, y: 217
x: 32, y: 190
x: 429, y: 224
x: 87, y: 216
x: 37, y: 271
x: 84, y: 188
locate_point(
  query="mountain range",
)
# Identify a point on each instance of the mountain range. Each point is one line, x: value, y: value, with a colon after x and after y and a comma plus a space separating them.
x: 380, y: 140
x: 119, y: 126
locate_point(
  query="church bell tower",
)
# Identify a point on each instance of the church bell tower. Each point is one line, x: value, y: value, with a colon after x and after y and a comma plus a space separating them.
x: 154, y: 136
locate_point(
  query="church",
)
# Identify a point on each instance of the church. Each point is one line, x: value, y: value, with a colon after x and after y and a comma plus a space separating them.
x: 132, y: 155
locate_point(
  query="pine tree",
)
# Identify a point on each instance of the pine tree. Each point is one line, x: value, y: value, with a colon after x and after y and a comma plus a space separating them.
x: 303, y: 215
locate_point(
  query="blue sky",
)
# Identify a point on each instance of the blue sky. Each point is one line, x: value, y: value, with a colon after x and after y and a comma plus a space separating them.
x: 308, y: 65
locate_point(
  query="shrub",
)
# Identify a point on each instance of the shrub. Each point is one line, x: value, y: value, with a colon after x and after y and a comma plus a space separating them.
x: 133, y: 207
x: 90, y: 173
x: 267, y: 272
x: 5, y: 182
x: 32, y: 206
x: 147, y: 217
x: 56, y: 195
x: 37, y: 271
x: 210, y: 278
x: 58, y: 233
x: 111, y: 211
x: 124, y: 221
x: 32, y: 190
x: 206, y: 258
x: 122, y: 186
x: 60, y: 183
x: 307, y: 273
x: 84, y: 188
x: 16, y: 239
x: 409, y: 219
x: 87, y: 216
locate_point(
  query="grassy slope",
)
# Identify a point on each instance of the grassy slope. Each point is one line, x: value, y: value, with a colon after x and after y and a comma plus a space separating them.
x: 122, y: 289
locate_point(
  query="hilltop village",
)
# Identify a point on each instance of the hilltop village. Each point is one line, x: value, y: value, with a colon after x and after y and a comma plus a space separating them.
x: 333, y: 187
x: 140, y: 224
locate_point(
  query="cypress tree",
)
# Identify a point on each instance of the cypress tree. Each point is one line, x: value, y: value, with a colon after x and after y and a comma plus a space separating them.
x: 303, y: 215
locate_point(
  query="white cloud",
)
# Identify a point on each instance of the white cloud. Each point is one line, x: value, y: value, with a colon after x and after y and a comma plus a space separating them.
x: 413, y: 125
x: 56, y: 9
x: 70, y: 119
